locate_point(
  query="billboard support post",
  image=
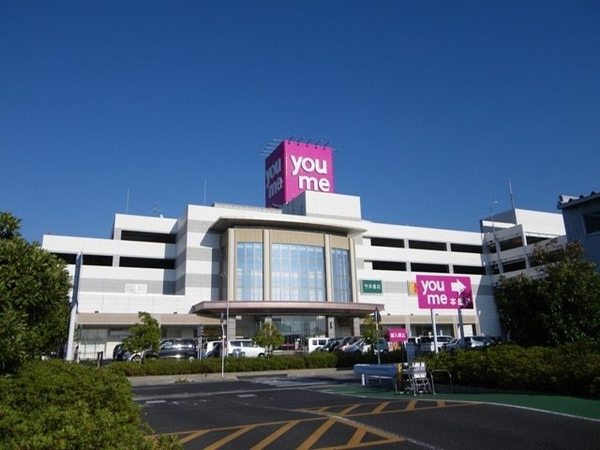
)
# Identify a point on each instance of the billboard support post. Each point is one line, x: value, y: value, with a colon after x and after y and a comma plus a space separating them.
x: 433, y: 325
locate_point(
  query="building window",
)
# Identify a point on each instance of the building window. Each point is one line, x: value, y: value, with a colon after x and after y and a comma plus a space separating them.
x: 144, y: 236
x: 469, y: 270
x: 340, y: 261
x: 511, y: 243
x: 426, y: 245
x: 514, y: 266
x: 144, y: 263
x: 592, y: 222
x: 466, y: 248
x: 535, y: 239
x: 385, y: 242
x: 389, y: 265
x: 435, y: 268
x: 68, y: 258
x: 249, y: 271
x: 97, y: 260
x: 297, y: 273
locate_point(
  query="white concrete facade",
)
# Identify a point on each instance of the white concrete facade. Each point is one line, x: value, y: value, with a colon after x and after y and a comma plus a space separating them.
x: 183, y: 270
x: 511, y: 237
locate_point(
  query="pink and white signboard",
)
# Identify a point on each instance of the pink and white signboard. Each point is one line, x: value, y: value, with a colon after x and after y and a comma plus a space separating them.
x: 444, y: 292
x: 398, y: 334
x: 294, y: 167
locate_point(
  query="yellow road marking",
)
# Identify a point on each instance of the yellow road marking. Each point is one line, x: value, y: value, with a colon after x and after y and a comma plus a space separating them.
x: 380, y: 407
x: 191, y: 437
x: 286, y: 425
x: 308, y: 443
x: 230, y: 438
x: 273, y: 436
x: 357, y: 438
x: 345, y: 411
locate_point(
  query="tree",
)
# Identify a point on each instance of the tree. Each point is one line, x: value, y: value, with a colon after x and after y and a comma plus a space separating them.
x: 562, y: 305
x: 269, y: 337
x: 9, y: 226
x: 369, y: 331
x: 145, y: 336
x: 34, y: 307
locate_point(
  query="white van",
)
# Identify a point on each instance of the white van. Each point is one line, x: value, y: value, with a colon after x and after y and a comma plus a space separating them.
x: 245, y: 347
x: 316, y: 342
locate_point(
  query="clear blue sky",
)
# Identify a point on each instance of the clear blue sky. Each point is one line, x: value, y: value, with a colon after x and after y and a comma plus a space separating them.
x: 433, y: 107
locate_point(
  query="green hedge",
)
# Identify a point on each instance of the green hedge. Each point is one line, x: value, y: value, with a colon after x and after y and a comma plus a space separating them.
x: 213, y: 365
x: 572, y: 369
x: 59, y: 405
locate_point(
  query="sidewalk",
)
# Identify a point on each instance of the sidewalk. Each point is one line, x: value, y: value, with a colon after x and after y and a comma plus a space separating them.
x: 588, y: 409
x: 334, y: 374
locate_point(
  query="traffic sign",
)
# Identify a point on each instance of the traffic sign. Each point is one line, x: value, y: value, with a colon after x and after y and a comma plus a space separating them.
x: 444, y: 292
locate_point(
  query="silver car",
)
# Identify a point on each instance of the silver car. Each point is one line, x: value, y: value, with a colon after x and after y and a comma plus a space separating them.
x: 469, y: 342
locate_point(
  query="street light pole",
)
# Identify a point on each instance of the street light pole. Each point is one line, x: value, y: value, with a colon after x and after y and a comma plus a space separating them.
x: 434, y: 326
x: 222, y: 347
x: 376, y: 344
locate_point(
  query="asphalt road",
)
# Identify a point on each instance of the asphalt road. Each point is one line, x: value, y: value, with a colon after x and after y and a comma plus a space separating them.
x: 305, y: 413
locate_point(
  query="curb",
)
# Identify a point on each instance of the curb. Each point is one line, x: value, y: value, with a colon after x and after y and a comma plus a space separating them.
x: 151, y: 380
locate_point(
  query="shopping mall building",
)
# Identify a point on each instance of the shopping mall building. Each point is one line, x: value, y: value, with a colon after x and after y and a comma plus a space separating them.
x: 307, y: 261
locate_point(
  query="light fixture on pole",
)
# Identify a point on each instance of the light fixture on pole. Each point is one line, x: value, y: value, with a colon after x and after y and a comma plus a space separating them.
x: 492, y: 204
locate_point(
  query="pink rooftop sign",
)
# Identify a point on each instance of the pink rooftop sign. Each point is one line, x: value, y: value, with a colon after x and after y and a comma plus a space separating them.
x: 294, y: 167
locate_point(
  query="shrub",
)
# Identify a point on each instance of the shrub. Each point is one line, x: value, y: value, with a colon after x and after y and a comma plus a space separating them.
x: 570, y: 369
x: 53, y: 404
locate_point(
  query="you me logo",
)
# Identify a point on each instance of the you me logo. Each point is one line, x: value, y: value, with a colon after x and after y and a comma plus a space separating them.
x: 274, y: 181
x: 308, y: 182
x: 295, y: 167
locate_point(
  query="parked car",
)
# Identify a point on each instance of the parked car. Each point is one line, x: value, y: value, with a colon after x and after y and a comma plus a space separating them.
x: 469, y: 342
x: 210, y: 347
x: 119, y: 353
x: 245, y: 347
x: 348, y: 341
x: 361, y: 346
x: 331, y: 345
x: 178, y: 349
x: 427, y: 343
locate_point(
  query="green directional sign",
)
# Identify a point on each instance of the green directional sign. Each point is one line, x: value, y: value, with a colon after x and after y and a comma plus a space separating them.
x: 371, y: 287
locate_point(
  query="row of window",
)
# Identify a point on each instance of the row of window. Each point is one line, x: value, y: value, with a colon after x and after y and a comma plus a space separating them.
x: 124, y: 261
x: 427, y: 267
x: 144, y: 236
x: 425, y: 245
x: 515, y: 242
x: 297, y: 273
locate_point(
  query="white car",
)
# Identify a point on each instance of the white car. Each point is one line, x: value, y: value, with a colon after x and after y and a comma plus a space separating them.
x: 245, y: 347
x: 427, y: 344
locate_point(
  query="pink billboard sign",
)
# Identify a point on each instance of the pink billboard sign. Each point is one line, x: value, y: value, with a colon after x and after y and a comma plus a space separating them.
x: 444, y: 292
x: 398, y: 334
x: 294, y: 167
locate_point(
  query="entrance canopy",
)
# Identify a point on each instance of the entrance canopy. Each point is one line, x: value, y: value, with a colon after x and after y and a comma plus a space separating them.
x: 296, y: 308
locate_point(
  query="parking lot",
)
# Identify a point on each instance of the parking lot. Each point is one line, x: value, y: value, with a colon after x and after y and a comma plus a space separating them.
x: 313, y: 413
